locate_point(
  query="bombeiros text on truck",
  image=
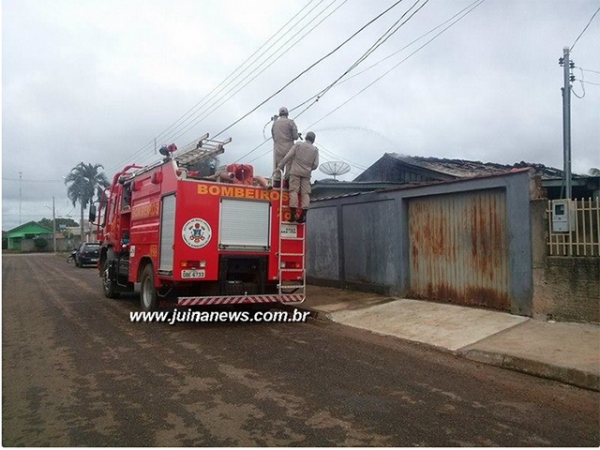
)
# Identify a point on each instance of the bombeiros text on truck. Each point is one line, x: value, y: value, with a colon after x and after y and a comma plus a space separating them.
x: 217, y: 239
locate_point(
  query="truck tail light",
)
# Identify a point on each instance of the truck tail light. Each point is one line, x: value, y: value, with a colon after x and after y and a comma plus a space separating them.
x: 290, y: 265
x: 193, y: 264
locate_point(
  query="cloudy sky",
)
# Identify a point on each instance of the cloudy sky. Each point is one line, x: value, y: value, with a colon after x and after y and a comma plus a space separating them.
x: 99, y: 81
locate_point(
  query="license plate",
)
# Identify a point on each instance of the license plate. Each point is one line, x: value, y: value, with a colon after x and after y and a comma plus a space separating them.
x: 93, y: 259
x: 289, y: 230
x: 192, y: 274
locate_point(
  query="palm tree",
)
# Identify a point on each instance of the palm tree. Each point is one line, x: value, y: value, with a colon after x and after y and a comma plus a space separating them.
x: 83, y: 180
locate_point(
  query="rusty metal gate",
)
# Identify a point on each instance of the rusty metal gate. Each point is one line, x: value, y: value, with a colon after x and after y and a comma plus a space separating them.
x: 458, y: 249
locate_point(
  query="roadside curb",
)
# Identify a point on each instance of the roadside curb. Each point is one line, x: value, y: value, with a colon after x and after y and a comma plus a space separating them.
x: 566, y: 375
x: 327, y: 317
x: 574, y: 377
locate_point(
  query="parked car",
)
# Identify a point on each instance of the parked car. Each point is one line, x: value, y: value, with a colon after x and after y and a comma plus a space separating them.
x: 87, y: 254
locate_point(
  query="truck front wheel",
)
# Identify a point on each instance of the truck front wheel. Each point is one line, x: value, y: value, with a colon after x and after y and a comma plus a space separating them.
x: 109, y: 286
x: 148, y: 290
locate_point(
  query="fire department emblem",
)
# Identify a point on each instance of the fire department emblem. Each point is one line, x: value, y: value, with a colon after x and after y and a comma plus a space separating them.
x: 196, y: 233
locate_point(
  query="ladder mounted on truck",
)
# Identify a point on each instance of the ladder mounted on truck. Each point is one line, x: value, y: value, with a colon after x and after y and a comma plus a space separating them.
x: 284, y: 256
x: 199, y: 150
x: 190, y: 154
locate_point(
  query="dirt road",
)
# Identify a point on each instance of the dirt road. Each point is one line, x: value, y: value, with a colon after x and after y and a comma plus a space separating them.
x: 77, y: 372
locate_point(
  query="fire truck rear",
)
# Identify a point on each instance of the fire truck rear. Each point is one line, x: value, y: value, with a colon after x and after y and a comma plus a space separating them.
x: 219, y: 240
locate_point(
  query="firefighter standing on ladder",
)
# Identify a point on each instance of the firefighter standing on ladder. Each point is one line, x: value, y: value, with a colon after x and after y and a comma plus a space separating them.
x: 303, y: 159
x: 284, y: 132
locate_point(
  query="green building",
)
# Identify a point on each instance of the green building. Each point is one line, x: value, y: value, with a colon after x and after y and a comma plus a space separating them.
x: 29, y: 230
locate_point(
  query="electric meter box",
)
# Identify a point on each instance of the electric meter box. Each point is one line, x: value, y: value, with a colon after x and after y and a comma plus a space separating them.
x: 562, y: 216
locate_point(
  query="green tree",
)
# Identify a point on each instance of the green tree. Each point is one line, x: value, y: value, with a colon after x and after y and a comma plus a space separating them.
x: 40, y: 243
x: 82, y: 181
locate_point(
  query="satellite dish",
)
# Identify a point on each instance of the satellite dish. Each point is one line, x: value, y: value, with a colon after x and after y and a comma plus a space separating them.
x: 334, y: 168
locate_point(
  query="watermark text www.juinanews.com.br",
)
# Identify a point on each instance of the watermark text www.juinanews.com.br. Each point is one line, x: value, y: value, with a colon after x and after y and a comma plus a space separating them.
x: 175, y: 316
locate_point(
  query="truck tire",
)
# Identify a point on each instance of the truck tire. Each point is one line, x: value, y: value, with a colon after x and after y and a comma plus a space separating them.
x: 147, y: 289
x: 110, y: 288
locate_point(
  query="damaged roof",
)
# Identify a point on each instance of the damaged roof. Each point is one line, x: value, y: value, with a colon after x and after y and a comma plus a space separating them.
x: 461, y: 168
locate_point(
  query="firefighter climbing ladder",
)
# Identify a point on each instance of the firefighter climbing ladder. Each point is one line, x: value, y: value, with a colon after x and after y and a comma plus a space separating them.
x: 300, y: 236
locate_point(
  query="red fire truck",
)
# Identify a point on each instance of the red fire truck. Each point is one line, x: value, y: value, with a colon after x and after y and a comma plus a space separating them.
x: 189, y: 240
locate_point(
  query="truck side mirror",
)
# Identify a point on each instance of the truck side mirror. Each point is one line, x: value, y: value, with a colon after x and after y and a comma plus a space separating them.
x: 92, y: 216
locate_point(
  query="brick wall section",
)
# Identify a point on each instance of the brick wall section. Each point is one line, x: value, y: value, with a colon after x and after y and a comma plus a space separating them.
x: 568, y: 289
x: 564, y: 288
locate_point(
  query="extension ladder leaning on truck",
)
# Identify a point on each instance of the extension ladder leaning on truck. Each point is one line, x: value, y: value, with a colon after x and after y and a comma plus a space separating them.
x: 189, y: 241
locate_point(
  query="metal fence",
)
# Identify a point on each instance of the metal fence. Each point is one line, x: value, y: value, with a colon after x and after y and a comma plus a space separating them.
x: 583, y: 239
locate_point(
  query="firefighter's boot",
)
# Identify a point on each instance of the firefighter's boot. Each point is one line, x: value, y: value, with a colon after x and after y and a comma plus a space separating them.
x: 302, y: 217
x: 293, y: 215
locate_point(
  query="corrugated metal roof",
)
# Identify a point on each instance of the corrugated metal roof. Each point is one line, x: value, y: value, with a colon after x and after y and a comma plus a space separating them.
x: 401, y: 187
x: 463, y: 168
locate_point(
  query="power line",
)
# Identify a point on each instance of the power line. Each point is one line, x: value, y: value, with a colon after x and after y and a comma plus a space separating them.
x: 302, y: 73
x: 205, y: 110
x: 396, y: 65
x: 256, y: 148
x: 466, y: 11
x: 310, y: 67
x: 149, y: 145
x: 380, y: 41
x: 476, y: 4
x: 371, y: 50
x: 322, y: 150
x: 413, y: 42
x: 383, y: 39
x: 398, y: 51
x: 582, y: 86
x: 586, y: 27
x: 217, y: 105
x: 588, y: 70
x: 320, y: 146
x: 245, y: 61
x: 589, y: 82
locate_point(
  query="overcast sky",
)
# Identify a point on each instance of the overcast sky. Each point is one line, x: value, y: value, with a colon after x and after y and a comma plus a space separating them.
x: 98, y: 81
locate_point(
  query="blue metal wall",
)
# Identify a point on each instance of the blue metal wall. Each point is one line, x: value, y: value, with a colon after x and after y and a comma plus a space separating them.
x: 362, y: 241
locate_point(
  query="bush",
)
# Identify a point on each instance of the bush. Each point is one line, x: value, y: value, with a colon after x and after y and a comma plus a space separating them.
x: 40, y: 243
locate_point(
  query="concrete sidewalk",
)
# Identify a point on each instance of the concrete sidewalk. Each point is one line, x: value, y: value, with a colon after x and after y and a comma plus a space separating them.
x: 566, y: 352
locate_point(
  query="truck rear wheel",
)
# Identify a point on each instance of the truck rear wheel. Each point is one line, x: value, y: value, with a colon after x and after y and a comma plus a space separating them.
x: 148, y: 290
x: 109, y: 286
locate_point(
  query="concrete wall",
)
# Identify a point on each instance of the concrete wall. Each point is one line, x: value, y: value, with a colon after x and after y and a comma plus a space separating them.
x: 371, y: 260
x: 62, y: 245
x: 324, y: 260
x: 361, y: 241
x: 564, y: 288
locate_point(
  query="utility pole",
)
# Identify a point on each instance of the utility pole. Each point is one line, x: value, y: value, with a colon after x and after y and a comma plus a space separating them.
x: 567, y: 65
x: 53, y: 224
x: 20, y: 183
